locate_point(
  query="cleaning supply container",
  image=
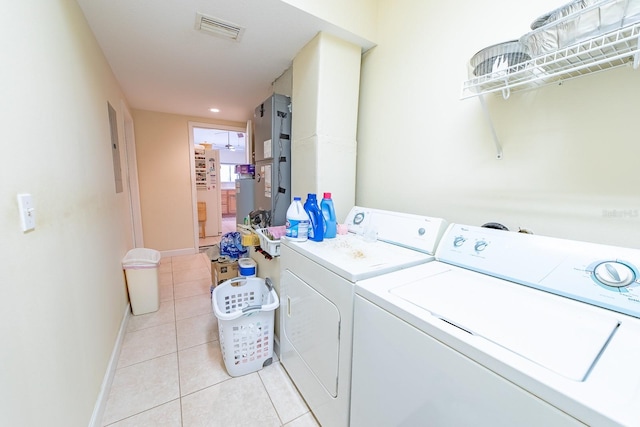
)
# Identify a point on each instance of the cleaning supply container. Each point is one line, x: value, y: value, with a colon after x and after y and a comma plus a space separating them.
x: 329, y: 214
x: 141, y: 270
x: 247, y: 267
x: 245, y: 309
x: 297, y: 226
x: 316, y: 227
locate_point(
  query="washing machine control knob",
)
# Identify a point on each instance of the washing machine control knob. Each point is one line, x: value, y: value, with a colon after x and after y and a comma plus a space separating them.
x: 614, y: 274
x: 458, y: 241
x: 480, y: 245
x: 358, y: 218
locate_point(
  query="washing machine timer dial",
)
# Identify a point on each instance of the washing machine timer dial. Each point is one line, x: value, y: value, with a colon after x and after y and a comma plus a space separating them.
x: 614, y: 274
x: 480, y: 245
x: 458, y: 241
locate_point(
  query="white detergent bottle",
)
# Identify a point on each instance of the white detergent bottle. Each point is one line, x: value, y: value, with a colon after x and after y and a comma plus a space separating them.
x: 297, y: 226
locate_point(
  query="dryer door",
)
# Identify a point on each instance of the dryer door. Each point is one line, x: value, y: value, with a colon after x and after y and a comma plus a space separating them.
x: 311, y: 326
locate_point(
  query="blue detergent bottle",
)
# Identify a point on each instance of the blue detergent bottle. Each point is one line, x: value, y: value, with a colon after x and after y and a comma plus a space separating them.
x: 316, y: 228
x: 329, y: 214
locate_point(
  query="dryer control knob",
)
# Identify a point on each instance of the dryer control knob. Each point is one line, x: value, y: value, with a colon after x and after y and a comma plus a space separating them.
x: 614, y: 274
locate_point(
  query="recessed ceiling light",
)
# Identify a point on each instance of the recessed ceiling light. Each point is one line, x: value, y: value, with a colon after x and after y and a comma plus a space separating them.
x: 214, y: 110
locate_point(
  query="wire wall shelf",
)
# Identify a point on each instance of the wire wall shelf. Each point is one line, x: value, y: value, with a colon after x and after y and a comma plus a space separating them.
x: 610, y: 50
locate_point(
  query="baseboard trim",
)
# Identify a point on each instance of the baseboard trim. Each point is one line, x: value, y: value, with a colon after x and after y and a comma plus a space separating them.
x: 179, y: 252
x: 101, y: 402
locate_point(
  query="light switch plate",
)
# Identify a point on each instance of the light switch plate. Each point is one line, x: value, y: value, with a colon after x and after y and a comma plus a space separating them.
x: 27, y: 212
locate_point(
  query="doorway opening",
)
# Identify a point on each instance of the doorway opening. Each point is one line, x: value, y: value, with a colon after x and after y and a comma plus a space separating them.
x: 216, y: 150
x: 132, y: 185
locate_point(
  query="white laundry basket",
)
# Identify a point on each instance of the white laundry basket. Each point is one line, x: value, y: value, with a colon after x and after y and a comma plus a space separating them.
x: 245, y: 309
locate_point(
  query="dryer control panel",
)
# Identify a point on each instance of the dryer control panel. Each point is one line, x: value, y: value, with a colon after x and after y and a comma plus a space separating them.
x: 417, y: 232
x: 602, y: 275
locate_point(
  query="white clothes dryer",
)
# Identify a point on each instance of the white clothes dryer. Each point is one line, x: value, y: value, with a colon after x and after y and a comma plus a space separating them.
x: 317, y: 291
x: 503, y: 329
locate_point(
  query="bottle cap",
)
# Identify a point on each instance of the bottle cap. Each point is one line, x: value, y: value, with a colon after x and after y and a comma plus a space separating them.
x: 327, y: 195
x: 311, y: 195
x: 296, y: 198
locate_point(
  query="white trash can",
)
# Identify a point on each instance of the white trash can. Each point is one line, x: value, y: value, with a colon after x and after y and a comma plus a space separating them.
x: 141, y: 268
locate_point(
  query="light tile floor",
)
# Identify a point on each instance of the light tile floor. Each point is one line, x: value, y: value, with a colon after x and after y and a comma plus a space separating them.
x: 171, y: 371
x: 228, y: 225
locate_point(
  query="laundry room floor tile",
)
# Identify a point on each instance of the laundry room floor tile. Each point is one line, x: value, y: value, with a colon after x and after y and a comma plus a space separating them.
x: 193, y: 288
x: 164, y: 315
x: 166, y: 415
x: 306, y: 420
x: 193, y: 306
x: 285, y: 397
x: 148, y: 343
x: 241, y: 402
x: 142, y: 386
x: 200, y: 367
x: 197, y: 330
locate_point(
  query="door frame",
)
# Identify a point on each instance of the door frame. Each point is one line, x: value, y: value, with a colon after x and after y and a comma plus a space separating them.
x: 133, y: 187
x: 192, y: 166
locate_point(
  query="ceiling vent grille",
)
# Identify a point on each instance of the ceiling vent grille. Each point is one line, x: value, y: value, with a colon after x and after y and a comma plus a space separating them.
x: 217, y: 27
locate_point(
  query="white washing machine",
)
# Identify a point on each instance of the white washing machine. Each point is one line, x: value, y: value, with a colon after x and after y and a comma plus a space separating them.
x: 316, y: 298
x: 503, y: 329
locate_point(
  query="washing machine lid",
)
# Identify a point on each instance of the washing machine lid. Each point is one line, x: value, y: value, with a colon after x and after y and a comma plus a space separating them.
x: 556, y: 333
x: 353, y: 258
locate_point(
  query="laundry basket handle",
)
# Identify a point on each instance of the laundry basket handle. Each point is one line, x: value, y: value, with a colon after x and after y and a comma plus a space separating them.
x: 235, y: 280
x: 269, y: 283
x: 251, y: 308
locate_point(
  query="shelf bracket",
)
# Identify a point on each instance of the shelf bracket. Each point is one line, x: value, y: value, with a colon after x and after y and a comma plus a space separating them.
x: 496, y: 141
x: 506, y: 91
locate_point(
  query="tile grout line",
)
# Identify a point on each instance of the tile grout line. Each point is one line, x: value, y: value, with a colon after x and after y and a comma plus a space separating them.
x: 175, y: 320
x: 270, y: 399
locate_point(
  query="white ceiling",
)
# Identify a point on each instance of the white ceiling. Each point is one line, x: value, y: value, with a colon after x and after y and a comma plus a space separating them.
x: 219, y: 139
x: 164, y: 64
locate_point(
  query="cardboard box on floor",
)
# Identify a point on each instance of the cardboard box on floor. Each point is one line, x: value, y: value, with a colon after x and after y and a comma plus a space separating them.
x: 223, y: 270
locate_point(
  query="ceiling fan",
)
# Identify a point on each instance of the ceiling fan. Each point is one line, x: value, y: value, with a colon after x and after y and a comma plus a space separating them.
x: 233, y: 147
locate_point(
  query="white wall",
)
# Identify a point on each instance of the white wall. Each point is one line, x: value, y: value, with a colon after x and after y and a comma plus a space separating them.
x: 283, y: 84
x: 164, y: 158
x: 570, y: 166
x: 325, y: 81
x: 62, y: 291
x: 355, y: 16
